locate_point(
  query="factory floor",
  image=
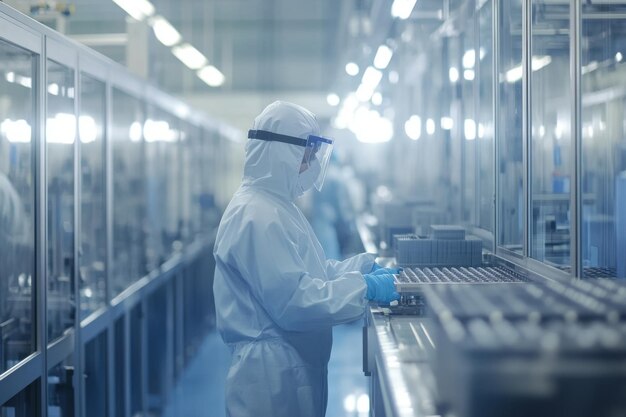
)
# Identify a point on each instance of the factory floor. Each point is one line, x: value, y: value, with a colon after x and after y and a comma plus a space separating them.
x: 200, y: 392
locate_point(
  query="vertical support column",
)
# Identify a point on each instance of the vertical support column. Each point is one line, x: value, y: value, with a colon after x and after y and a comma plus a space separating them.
x: 495, y: 98
x: 476, y: 218
x: 79, y: 378
x: 576, y: 149
x: 527, y: 122
x: 108, y: 198
x: 41, y: 274
x: 137, y: 49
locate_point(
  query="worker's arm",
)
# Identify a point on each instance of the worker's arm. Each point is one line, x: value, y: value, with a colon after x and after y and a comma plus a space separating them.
x: 362, y: 262
x: 278, y: 278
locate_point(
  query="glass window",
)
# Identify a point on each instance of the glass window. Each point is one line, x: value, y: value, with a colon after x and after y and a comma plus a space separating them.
x: 198, y: 162
x: 163, y: 175
x: 92, y: 264
x: 23, y: 404
x: 550, y: 160
x: 60, y: 138
x: 17, y: 205
x: 61, y: 389
x: 466, y: 126
x: 129, y: 255
x: 509, y: 135
x: 484, y: 114
x: 603, y: 84
x: 96, y: 403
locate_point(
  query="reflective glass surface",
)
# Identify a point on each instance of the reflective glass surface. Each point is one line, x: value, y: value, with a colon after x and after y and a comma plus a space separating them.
x: 96, y: 377
x: 603, y: 83
x: 466, y: 126
x: 484, y: 115
x: 60, y: 140
x: 17, y: 205
x: 550, y: 161
x: 198, y: 162
x: 509, y: 135
x: 163, y: 191
x: 92, y: 264
x: 129, y: 217
x: 61, y: 381
x: 23, y: 404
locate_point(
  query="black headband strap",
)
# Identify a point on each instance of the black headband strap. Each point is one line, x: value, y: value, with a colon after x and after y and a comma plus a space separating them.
x: 276, y: 137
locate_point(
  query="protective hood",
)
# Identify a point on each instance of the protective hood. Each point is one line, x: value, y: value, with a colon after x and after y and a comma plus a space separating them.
x: 274, y: 166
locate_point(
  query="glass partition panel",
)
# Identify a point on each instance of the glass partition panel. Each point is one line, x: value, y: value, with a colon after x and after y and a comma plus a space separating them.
x: 129, y: 217
x: 197, y: 161
x: 509, y: 135
x: 96, y: 404
x: 162, y: 137
x: 484, y: 114
x: 17, y: 204
x: 60, y: 141
x: 92, y: 263
x: 467, y: 124
x: 23, y: 404
x: 603, y: 84
x: 550, y: 161
x: 61, y: 384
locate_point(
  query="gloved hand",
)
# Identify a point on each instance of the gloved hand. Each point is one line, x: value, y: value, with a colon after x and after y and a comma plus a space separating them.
x: 381, y: 288
x: 377, y: 270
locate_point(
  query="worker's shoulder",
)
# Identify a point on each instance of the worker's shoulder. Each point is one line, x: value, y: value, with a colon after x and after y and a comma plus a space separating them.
x: 256, y: 208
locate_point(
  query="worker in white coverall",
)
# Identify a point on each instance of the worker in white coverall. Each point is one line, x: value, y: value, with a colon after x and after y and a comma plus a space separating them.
x: 276, y: 295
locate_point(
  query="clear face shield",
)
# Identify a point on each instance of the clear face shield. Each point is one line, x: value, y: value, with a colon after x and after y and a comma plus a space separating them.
x: 317, y: 151
x: 316, y: 157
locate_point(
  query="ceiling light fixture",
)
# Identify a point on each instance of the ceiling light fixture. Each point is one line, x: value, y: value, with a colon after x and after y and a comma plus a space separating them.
x: 165, y: 32
x: 137, y: 9
x: 333, y: 99
x: 189, y: 56
x: 402, y: 9
x: 212, y: 76
x: 352, y: 69
x: 383, y: 56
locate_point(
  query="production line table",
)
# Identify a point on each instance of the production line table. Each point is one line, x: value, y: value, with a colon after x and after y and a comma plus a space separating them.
x: 397, y: 351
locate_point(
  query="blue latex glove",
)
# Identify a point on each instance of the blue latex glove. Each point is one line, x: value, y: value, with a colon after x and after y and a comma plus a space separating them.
x: 381, y: 288
x: 376, y: 267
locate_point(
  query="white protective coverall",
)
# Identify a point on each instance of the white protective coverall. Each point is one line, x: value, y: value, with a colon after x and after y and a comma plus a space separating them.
x: 277, y: 296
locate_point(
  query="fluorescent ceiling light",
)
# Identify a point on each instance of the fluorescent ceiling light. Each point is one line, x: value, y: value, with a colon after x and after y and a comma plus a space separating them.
x: 430, y: 126
x: 470, y: 129
x: 363, y: 93
x: 469, y: 59
x: 165, y: 32
x: 377, y: 99
x: 619, y: 57
x: 402, y: 9
x: 469, y: 74
x: 383, y: 56
x: 212, y: 76
x: 447, y: 123
x: 352, y: 69
x: 137, y: 9
x: 371, y: 78
x: 333, y: 99
x: 189, y: 56
x: 538, y: 62
x: 413, y: 127
x: 453, y: 74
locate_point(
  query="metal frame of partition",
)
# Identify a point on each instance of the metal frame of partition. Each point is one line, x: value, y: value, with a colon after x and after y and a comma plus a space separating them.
x: 526, y: 260
x: 46, y: 44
